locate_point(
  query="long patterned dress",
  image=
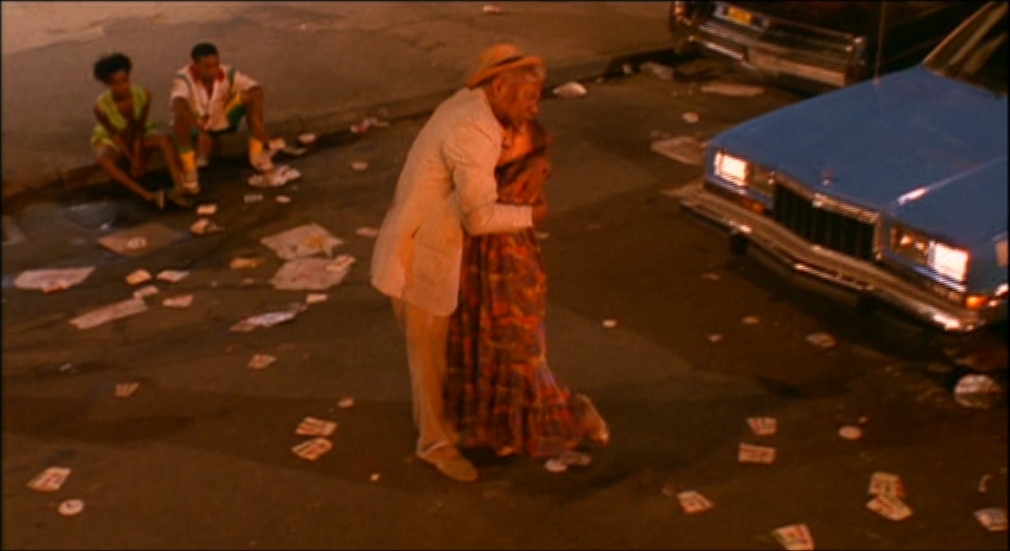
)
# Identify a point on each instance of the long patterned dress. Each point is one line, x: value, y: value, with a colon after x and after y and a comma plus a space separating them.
x: 500, y: 392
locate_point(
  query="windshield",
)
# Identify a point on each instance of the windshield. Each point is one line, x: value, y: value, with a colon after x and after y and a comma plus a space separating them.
x: 977, y: 52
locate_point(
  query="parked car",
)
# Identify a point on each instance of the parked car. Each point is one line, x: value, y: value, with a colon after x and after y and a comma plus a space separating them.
x: 817, y: 46
x: 894, y: 188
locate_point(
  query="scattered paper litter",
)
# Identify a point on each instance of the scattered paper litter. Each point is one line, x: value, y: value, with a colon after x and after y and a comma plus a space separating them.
x: 570, y: 90
x: 889, y: 507
x: 181, y: 301
x: 684, y: 149
x: 125, y: 390
x: 751, y: 320
x: 977, y: 391
x: 366, y: 231
x: 312, y: 274
x: 245, y: 262
x: 313, y: 449
x: 763, y: 426
x: 992, y: 518
x: 359, y: 166
x: 609, y: 323
x: 294, y: 151
x: 307, y: 138
x: 122, y: 309
x: 139, y: 240
x: 52, y: 278
x: 692, y: 502
x: 555, y: 465
x: 138, y: 277
x: 710, y: 276
x: 310, y: 426
x: 346, y: 402
x: 715, y: 337
x: 70, y: 507
x: 375, y: 477
x: 316, y: 298
x: 795, y: 537
x: 750, y: 453
x: 730, y: 89
x: 690, y: 117
x: 983, y: 484
x: 660, y: 71
x: 302, y: 241
x: 281, y: 175
x: 252, y: 198
x: 261, y: 361
x: 821, y: 339
x: 144, y: 292
x: 136, y: 243
x: 268, y: 319
x: 886, y: 484
x: 277, y: 144
x: 282, y: 199
x: 204, y: 226
x: 206, y: 210
x: 491, y: 9
x: 172, y: 276
x: 49, y: 480
x: 850, y: 432
x: 575, y: 458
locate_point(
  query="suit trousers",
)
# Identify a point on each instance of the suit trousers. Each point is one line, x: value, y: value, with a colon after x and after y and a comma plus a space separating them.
x: 427, y: 339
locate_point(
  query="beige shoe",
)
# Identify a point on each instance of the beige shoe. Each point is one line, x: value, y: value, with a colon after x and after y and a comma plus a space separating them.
x: 453, y: 465
x: 592, y: 422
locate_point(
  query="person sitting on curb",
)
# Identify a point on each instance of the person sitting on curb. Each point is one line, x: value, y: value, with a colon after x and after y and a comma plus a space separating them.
x: 123, y: 130
x: 209, y: 99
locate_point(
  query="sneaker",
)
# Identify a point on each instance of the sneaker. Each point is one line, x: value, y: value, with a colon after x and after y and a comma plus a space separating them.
x: 453, y: 465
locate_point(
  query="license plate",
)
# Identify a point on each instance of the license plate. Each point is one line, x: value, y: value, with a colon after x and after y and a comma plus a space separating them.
x: 742, y: 17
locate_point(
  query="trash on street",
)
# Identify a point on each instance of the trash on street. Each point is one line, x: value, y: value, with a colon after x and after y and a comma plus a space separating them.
x: 750, y: 453
x: 282, y: 199
x: 245, y: 262
x: 249, y: 198
x: 751, y: 320
x: 684, y: 149
x: 310, y: 426
x: 180, y: 301
x: 821, y: 339
x: 52, y: 279
x: 172, y: 276
x: 118, y: 310
x: 575, y: 458
x: 660, y: 71
x: 138, y: 277
x: 302, y: 241
x: 889, y: 507
x: 316, y: 298
x: 570, y: 90
x: 204, y: 226
x: 346, y: 403
x: 144, y: 292
x: 795, y: 537
x: 850, y: 432
x: 692, y: 502
x: 366, y: 231
x: 491, y: 9
x: 555, y: 465
x: 278, y: 177
x: 730, y: 89
x: 307, y: 138
x: 261, y: 361
x: 268, y: 319
x: 983, y: 484
x: 710, y: 276
x: 155, y: 235
x: 375, y: 477
x: 977, y: 391
x: 125, y: 390
x: 294, y: 151
x: 311, y: 274
x: 690, y: 117
x: 206, y: 210
x: 136, y: 243
x: 359, y: 166
x: 313, y: 449
x: 992, y: 518
x: 763, y: 426
x: 70, y: 507
x: 49, y: 480
x: 886, y: 484
x: 609, y: 323
x: 715, y: 337
x: 367, y: 124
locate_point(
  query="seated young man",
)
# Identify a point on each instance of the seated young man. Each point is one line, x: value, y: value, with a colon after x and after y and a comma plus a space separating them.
x: 123, y: 131
x: 208, y: 99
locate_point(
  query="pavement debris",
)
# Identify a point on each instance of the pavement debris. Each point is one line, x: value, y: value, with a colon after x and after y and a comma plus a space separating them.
x: 316, y: 298
x: 821, y: 339
x: 692, y: 502
x: 575, y: 458
x: 750, y: 453
x: 346, y: 403
x: 245, y: 262
x: 310, y: 426
x: 118, y: 310
x: 278, y: 177
x: 70, y: 507
x: 710, y: 276
x: 609, y: 323
x: 307, y: 138
x: 367, y: 124
x: 731, y: 89
x: 204, y: 226
x: 125, y: 390
x: 889, y: 507
x: 850, y: 432
x: 368, y: 232
x: 751, y: 320
x: 146, y: 291
x: 261, y: 361
x: 180, y: 301
x: 977, y: 391
x: 570, y: 90
x: 555, y: 465
x: 795, y: 537
x: 715, y: 337
x: 52, y: 279
x: 684, y: 149
x: 763, y: 426
x: 660, y: 71
x: 375, y: 477
x: 690, y: 117
x: 313, y: 449
x: 154, y: 235
x: 206, y: 210
x: 268, y: 319
x: 294, y: 151
x: 172, y: 276
x: 139, y: 276
x: 983, y: 484
x: 312, y: 274
x: 302, y: 241
x: 49, y: 480
x: 359, y: 166
x: 886, y: 484
x: 491, y: 9
x: 992, y: 518
x: 250, y: 198
x: 282, y: 199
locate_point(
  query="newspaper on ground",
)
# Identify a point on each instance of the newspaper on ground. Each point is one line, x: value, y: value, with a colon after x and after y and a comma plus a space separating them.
x: 49, y: 480
x: 763, y: 426
x: 282, y: 199
x: 180, y: 301
x: 316, y: 298
x: 359, y: 166
x: 555, y: 465
x: 684, y: 149
x: 312, y: 274
x: 795, y: 537
x: 977, y: 391
x: 268, y: 319
x: 609, y: 323
x: 690, y: 117
x: 307, y: 138
x: 152, y: 236
x: 206, y: 210
x: 310, y: 426
x: 821, y: 339
x: 146, y: 291
x: 125, y: 390
x: 302, y: 241
x: 118, y: 310
x: 992, y: 518
x: 346, y: 402
x: 172, y: 276
x: 281, y: 175
x: 313, y: 449
x: 886, y: 484
x: 261, y: 361
x: 245, y: 262
x: 850, y: 432
x: 889, y: 507
x: 52, y: 279
x: 204, y: 226
x: 570, y: 90
x: 139, y: 276
x: 71, y: 507
x: 692, y: 502
x: 750, y: 453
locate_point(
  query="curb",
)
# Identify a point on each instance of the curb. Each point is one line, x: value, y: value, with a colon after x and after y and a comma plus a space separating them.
x: 338, y: 122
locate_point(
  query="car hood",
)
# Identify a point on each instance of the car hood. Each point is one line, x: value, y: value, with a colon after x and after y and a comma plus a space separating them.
x: 859, y: 18
x: 876, y: 143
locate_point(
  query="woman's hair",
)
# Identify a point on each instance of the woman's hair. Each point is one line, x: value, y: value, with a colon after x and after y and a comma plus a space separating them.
x: 110, y: 65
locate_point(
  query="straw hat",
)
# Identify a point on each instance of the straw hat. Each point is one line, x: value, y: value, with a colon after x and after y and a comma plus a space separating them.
x: 500, y: 58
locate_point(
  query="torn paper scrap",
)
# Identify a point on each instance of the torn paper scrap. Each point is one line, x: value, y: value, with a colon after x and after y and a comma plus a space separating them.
x: 365, y: 231
x: 281, y: 175
x: 307, y: 138
x: 244, y: 263
x: 359, y: 166
x: 316, y: 298
x: 52, y: 279
x: 282, y: 199
x: 310, y: 426
x: 139, y: 276
x: 889, y: 507
x: 886, y: 484
x: 763, y: 426
x: 730, y: 89
x: 268, y: 319
x: 261, y: 361
x: 146, y: 291
x: 204, y: 226
x: 684, y: 149
x: 172, y: 276
x: 570, y: 90
x: 992, y: 518
x: 181, y: 301
x: 206, y: 210
x: 311, y: 274
x: 70, y: 507
x: 693, y: 502
x: 302, y: 241
x: 346, y: 402
x: 49, y: 480
x: 109, y: 313
x: 750, y: 453
x: 576, y: 458
x: 125, y: 390
x: 795, y: 537
x: 821, y: 339
x: 313, y: 449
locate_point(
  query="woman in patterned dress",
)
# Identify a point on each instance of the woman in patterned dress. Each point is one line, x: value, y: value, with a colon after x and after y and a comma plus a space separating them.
x: 500, y: 391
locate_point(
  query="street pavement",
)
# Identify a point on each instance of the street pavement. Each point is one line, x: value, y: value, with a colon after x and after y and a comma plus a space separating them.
x: 200, y: 455
x: 323, y: 65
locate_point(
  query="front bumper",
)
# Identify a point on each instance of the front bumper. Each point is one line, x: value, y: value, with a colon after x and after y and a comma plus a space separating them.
x: 839, y: 270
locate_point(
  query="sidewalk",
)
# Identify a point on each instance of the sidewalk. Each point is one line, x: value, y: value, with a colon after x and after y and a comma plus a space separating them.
x: 389, y: 61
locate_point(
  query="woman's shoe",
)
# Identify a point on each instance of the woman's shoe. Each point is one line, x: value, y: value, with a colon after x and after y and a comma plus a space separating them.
x: 595, y: 428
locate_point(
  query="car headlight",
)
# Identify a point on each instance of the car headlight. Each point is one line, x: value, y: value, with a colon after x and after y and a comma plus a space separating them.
x: 943, y: 259
x: 742, y: 173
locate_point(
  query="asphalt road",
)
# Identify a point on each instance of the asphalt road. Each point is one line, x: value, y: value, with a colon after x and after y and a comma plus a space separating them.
x: 199, y: 456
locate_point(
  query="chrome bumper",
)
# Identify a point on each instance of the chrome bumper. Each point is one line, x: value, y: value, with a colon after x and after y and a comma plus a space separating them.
x: 861, y: 277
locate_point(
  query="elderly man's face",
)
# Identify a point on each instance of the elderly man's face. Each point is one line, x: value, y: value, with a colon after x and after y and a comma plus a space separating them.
x: 517, y: 98
x: 207, y: 67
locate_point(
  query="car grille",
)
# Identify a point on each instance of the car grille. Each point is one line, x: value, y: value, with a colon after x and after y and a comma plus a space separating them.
x: 831, y: 230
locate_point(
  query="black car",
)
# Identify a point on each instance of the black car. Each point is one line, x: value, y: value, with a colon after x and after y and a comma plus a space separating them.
x: 816, y: 45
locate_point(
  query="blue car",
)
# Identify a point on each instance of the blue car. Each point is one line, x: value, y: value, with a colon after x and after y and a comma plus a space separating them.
x: 894, y: 188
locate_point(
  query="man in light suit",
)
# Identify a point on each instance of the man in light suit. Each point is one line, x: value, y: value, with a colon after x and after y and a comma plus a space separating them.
x: 448, y: 186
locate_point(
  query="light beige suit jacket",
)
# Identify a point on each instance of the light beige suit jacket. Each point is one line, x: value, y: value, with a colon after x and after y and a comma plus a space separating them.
x: 447, y: 185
